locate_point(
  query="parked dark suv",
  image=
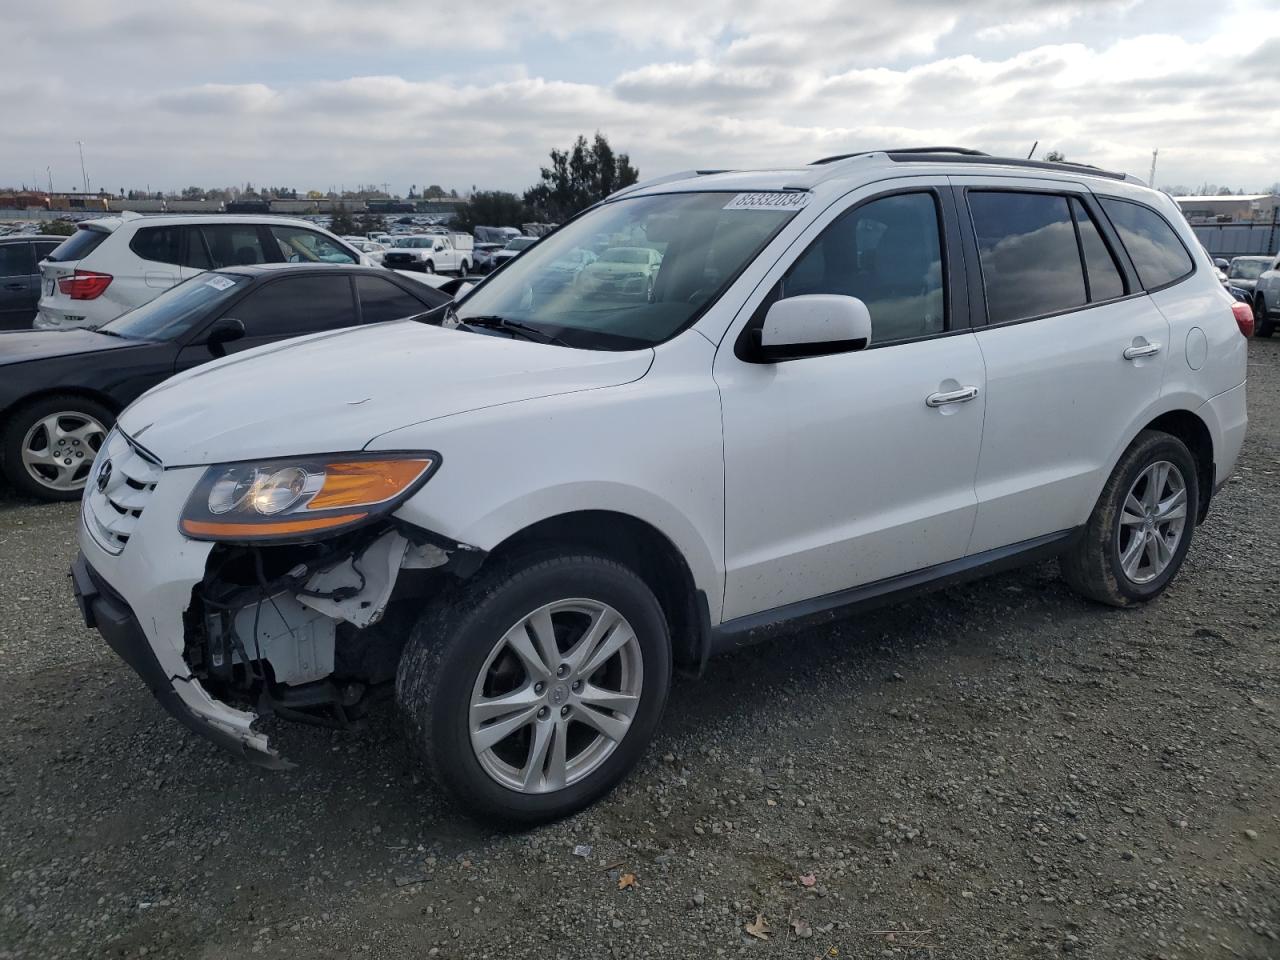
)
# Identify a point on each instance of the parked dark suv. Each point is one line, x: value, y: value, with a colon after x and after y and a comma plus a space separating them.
x: 20, y: 277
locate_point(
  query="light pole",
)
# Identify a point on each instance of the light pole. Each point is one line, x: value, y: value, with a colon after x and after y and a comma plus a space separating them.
x: 49, y: 172
x: 1151, y: 181
x: 83, y: 176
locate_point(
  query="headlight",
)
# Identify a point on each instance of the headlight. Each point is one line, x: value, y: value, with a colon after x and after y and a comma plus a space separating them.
x: 297, y: 498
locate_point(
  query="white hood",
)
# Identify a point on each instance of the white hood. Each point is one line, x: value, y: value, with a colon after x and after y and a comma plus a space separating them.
x: 335, y: 392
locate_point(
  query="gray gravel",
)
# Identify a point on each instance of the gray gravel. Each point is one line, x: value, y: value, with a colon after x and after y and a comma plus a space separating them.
x: 1000, y: 770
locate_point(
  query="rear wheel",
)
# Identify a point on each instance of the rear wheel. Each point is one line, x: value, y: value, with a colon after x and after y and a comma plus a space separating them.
x: 428, y: 267
x: 1141, y: 528
x: 49, y: 445
x: 1262, y: 324
x: 535, y: 689
x: 464, y: 269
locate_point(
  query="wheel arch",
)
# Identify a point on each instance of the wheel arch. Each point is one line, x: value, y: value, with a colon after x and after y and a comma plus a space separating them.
x: 1188, y: 427
x: 642, y: 547
x: 26, y: 400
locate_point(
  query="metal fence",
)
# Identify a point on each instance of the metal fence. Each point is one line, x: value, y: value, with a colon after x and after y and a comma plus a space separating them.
x: 1239, y: 239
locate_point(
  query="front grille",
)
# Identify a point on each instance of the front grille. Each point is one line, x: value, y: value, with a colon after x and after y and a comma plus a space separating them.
x: 112, y: 508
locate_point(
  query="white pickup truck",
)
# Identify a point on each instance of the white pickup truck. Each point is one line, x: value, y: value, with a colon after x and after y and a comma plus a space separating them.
x: 432, y: 253
x: 1266, y: 300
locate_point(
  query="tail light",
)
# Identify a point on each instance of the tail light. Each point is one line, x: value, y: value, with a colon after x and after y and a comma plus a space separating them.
x: 1244, y: 317
x: 85, y: 285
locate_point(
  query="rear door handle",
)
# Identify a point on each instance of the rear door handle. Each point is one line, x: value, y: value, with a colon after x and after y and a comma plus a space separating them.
x: 963, y: 395
x: 1144, y: 350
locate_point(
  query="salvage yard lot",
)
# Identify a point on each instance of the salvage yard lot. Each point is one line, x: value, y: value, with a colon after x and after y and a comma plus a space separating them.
x: 1002, y: 769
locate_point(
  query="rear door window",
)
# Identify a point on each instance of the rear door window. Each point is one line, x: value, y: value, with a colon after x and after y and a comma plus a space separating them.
x: 234, y: 245
x: 16, y: 260
x: 382, y: 300
x: 1027, y: 248
x: 160, y: 244
x: 1101, y: 270
x: 1157, y: 253
x: 44, y: 248
x: 292, y: 306
x: 194, y: 253
x: 79, y: 245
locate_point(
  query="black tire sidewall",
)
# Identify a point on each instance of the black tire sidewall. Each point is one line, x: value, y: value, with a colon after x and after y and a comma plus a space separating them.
x: 446, y: 692
x: 15, y: 430
x: 1158, y: 447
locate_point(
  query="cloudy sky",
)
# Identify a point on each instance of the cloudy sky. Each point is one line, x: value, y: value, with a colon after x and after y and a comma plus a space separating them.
x: 333, y: 92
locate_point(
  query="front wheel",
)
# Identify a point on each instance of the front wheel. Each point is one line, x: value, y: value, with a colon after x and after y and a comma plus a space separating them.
x: 537, y: 688
x: 49, y: 445
x: 428, y: 267
x: 464, y: 269
x: 1140, y: 530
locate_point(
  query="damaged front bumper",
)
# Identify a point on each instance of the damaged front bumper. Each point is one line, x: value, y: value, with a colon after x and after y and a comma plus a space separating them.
x: 110, y: 615
x: 159, y: 602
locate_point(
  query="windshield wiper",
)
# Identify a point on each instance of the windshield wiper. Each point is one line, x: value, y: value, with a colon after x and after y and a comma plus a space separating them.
x: 514, y: 326
x: 110, y: 333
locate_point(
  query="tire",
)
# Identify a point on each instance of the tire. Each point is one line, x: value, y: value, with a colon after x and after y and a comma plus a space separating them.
x: 464, y: 269
x: 1262, y: 324
x: 459, y: 647
x: 428, y: 267
x: 1094, y: 566
x: 84, y: 423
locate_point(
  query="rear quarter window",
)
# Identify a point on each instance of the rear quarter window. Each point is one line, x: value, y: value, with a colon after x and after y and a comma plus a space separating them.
x: 1157, y: 253
x: 79, y: 245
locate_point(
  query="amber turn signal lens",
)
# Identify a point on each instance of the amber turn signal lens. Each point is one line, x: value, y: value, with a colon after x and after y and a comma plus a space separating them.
x: 363, y: 483
x: 259, y: 531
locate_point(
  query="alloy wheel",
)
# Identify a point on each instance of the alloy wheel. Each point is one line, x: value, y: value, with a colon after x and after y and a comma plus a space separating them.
x: 1153, y: 519
x: 556, y: 695
x: 59, y: 448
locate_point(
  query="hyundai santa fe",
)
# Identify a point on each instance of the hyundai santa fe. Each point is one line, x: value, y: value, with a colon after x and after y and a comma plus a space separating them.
x: 872, y: 375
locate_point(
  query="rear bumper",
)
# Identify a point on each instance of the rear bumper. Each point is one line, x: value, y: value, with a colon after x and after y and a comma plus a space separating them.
x: 1228, y: 419
x: 110, y: 615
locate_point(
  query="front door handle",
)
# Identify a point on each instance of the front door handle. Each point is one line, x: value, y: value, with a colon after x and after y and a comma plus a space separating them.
x: 963, y: 395
x: 1138, y: 351
x: 15, y: 286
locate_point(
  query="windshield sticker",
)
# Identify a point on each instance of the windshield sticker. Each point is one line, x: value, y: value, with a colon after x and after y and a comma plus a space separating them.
x: 768, y: 201
x: 220, y: 283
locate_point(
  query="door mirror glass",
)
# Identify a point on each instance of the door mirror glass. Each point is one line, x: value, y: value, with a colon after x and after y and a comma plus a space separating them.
x: 813, y: 325
x: 224, y: 331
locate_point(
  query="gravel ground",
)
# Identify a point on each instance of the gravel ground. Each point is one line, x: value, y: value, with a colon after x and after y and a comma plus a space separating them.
x: 999, y: 770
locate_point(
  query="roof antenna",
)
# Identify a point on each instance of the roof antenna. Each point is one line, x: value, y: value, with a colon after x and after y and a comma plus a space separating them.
x: 1033, y: 150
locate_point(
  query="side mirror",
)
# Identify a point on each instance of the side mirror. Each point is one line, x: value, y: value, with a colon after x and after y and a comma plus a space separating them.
x: 222, y: 332
x: 1221, y: 264
x: 814, y: 325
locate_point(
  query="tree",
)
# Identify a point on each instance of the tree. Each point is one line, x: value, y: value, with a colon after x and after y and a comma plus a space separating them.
x: 1055, y: 156
x: 491, y: 208
x: 434, y: 192
x: 192, y: 193
x: 578, y: 177
x: 59, y: 228
x: 342, y: 221
x: 367, y: 223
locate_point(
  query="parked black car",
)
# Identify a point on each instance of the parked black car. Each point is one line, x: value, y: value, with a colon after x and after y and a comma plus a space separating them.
x: 20, y: 277
x: 60, y: 390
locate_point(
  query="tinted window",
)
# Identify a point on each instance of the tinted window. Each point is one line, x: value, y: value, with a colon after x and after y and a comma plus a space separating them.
x: 296, y: 305
x: 1157, y: 253
x: 1105, y: 280
x: 179, y: 308
x: 157, y: 243
x: 382, y: 300
x: 45, y: 247
x: 233, y: 245
x: 194, y: 253
x: 888, y: 254
x: 1027, y: 248
x: 307, y: 246
x: 16, y: 260
x: 79, y: 245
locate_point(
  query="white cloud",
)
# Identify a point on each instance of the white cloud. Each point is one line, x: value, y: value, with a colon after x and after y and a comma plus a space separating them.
x: 261, y: 91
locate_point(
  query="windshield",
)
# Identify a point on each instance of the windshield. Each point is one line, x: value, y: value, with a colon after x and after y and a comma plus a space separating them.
x: 1247, y: 269
x: 178, y: 309
x: 664, y: 260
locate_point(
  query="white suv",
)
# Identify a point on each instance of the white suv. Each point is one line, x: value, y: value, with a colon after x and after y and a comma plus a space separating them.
x: 114, y: 264
x: 869, y: 376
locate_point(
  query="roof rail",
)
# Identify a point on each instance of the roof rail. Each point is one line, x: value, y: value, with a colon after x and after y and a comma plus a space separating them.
x: 667, y: 178
x: 906, y: 156
x: 962, y: 151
